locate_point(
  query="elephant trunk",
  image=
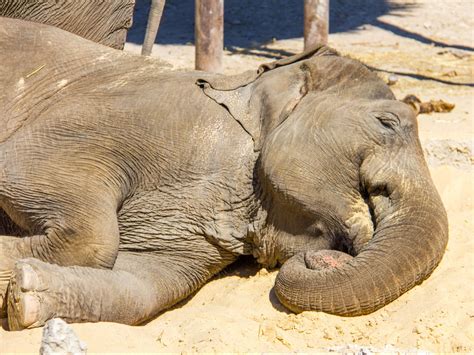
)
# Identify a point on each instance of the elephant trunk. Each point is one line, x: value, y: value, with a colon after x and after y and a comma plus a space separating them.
x: 410, y: 235
x: 154, y: 18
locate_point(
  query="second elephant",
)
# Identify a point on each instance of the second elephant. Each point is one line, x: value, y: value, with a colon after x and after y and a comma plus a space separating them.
x: 104, y: 22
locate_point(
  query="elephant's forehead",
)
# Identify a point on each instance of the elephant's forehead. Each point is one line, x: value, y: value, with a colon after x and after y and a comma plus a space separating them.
x: 330, y: 109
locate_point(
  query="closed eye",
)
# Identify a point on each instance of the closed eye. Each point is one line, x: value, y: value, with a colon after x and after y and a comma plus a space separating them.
x: 387, y: 119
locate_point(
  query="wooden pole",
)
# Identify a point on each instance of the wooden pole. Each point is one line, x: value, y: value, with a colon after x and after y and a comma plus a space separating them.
x: 316, y: 22
x: 209, y: 34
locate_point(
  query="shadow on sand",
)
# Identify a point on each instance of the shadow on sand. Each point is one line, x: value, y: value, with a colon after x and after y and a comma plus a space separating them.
x: 250, y: 23
x: 245, y: 266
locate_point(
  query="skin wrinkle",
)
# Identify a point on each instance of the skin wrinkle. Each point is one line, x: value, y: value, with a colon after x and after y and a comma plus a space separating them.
x: 23, y: 117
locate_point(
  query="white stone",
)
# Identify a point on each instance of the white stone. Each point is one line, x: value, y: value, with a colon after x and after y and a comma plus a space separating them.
x: 59, y: 338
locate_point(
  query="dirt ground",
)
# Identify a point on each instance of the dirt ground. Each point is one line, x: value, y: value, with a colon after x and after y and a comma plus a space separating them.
x: 429, y: 45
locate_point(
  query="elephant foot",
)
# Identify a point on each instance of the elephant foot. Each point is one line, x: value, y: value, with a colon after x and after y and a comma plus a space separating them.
x: 28, y: 298
x: 4, y: 280
x: 9, y: 254
x: 326, y: 259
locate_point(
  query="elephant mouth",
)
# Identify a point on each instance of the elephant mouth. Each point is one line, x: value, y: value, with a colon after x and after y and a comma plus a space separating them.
x: 365, y: 216
x: 359, y: 227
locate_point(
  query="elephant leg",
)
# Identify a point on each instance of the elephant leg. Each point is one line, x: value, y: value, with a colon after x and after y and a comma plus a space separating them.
x: 9, y: 251
x: 136, y: 289
x: 89, y: 239
x: 74, y: 232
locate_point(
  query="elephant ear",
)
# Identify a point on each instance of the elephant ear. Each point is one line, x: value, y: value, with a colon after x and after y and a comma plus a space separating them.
x: 262, y: 100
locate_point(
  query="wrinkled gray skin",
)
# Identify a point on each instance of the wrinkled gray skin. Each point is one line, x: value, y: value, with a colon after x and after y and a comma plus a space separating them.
x: 130, y: 186
x: 103, y: 21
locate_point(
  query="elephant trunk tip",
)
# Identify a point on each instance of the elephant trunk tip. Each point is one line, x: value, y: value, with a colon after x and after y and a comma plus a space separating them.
x: 326, y: 259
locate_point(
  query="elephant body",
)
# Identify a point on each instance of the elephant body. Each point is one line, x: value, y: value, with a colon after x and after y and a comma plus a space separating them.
x: 129, y: 186
x: 104, y: 22
x: 111, y: 94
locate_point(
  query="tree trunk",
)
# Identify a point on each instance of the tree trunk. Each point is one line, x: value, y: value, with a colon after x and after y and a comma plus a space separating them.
x: 209, y: 34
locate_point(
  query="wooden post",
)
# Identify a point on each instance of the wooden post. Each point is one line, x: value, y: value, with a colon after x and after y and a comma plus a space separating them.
x: 316, y: 22
x: 209, y: 34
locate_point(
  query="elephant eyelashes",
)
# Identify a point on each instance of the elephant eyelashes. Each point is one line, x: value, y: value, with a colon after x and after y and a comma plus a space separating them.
x: 388, y: 119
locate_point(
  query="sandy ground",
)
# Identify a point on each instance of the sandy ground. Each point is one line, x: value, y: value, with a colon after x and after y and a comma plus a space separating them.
x: 430, y: 45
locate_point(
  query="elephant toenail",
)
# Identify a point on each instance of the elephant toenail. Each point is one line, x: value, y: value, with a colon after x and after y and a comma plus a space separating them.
x: 28, y: 307
x: 27, y: 278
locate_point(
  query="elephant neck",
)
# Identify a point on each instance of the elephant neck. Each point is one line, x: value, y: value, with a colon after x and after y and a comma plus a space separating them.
x: 260, y: 234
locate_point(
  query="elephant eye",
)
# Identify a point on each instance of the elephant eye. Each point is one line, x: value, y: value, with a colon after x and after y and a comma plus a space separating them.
x: 387, y: 119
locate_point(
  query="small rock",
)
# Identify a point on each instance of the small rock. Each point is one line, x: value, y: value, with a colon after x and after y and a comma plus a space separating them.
x: 59, y: 338
x: 392, y: 79
x: 451, y: 73
x: 416, y: 330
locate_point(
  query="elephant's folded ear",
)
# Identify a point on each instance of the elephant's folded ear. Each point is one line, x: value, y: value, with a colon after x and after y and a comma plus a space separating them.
x: 229, y: 82
x: 315, y: 51
x: 233, y: 93
x: 236, y: 101
x: 261, y: 100
x: 232, y: 82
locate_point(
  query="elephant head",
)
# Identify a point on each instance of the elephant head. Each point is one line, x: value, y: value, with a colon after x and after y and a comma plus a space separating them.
x: 351, y: 211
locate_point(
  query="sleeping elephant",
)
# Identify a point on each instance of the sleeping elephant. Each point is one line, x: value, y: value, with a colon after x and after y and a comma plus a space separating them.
x: 129, y: 186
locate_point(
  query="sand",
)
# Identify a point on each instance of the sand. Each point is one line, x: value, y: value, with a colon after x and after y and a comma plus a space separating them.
x: 238, y: 312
